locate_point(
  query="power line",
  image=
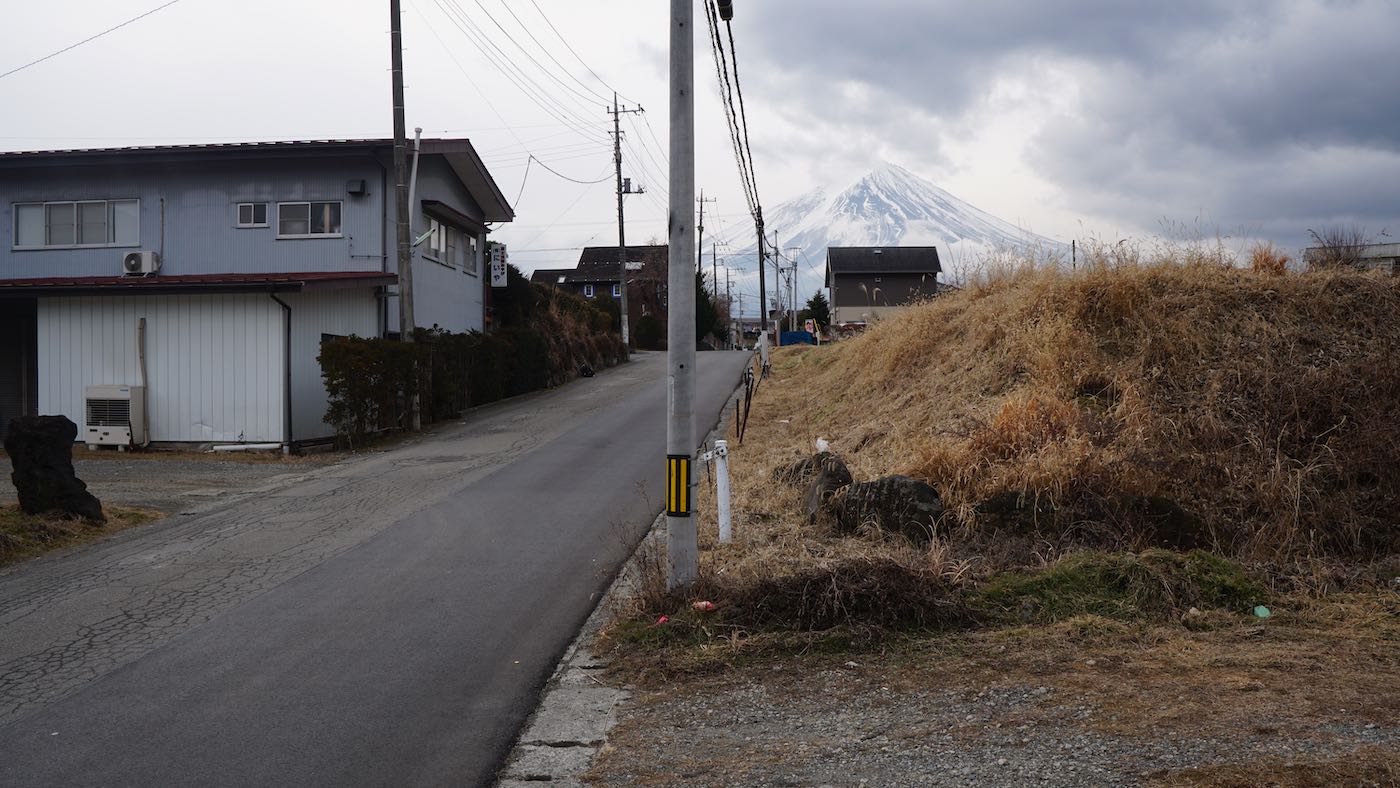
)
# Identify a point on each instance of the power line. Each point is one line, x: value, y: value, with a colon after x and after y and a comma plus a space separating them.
x: 86, y: 40
x: 523, y: 81
x: 562, y: 175
x: 529, y: 55
x: 569, y: 47
x: 550, y: 55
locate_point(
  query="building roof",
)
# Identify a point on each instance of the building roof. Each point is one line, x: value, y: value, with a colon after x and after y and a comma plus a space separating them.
x: 882, y: 260
x: 194, y: 283
x: 597, y: 255
x: 549, y: 276
x: 458, y: 152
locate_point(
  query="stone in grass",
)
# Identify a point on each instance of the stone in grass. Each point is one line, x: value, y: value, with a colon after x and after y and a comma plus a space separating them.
x: 41, y: 453
x: 801, y: 472
x: 831, y: 475
x: 894, y: 504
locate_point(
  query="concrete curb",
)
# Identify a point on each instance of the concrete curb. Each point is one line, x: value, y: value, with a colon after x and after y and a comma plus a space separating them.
x: 576, y: 711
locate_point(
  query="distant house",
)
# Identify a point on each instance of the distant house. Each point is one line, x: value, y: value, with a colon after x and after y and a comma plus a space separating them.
x: 223, y: 267
x: 1378, y: 257
x: 868, y: 283
x: 597, y: 275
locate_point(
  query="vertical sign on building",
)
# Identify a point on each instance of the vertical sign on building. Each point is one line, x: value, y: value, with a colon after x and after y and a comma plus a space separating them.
x: 498, y: 265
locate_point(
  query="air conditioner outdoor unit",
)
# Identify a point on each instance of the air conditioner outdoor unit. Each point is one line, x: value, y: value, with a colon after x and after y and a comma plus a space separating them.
x: 140, y: 263
x: 116, y: 416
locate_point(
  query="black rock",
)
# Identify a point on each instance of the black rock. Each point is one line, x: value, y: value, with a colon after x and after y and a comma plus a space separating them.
x: 585, y: 371
x: 895, y: 504
x: 41, y: 453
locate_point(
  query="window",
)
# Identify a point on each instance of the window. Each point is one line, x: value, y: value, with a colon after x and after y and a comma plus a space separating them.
x: 472, y: 251
x: 252, y: 214
x: 307, y: 219
x: 65, y: 225
x: 442, y: 243
x: 617, y: 291
x: 588, y: 291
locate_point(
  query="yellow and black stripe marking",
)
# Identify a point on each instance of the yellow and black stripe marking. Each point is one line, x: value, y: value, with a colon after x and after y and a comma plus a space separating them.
x: 677, y: 485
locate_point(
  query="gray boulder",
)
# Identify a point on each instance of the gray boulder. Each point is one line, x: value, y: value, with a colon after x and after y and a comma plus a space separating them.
x: 894, y: 504
x: 801, y: 472
x: 831, y: 475
x: 41, y: 454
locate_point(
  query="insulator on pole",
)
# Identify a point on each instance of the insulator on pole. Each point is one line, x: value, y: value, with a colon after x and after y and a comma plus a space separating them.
x: 726, y: 9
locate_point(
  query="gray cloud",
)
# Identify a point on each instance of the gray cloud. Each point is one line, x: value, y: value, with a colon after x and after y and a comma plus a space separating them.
x: 1257, y: 116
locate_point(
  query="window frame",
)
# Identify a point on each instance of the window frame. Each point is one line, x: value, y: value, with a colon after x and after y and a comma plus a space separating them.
x: 617, y: 291
x: 588, y: 291
x: 44, y: 205
x: 310, y: 221
x: 441, y: 232
x: 255, y: 224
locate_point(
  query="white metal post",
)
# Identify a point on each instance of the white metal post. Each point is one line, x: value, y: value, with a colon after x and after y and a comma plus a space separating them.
x: 726, y: 529
x: 682, y: 553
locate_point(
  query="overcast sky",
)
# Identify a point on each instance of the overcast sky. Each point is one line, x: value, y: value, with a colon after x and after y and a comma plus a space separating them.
x: 1108, y: 118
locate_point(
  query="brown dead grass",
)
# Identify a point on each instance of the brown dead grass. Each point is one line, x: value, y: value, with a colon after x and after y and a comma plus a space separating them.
x: 1260, y: 404
x: 1263, y: 405
x: 25, y: 536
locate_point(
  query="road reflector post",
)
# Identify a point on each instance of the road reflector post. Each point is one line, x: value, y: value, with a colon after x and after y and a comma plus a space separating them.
x: 726, y: 532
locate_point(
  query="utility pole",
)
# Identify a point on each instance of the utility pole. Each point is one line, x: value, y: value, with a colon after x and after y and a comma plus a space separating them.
x: 714, y: 270
x: 729, y: 306
x: 405, y: 249
x: 762, y: 286
x: 682, y: 552
x: 622, y: 188
x: 700, y: 230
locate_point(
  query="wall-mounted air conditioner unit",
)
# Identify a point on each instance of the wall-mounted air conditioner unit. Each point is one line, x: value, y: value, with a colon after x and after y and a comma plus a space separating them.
x: 116, y: 416
x: 140, y: 263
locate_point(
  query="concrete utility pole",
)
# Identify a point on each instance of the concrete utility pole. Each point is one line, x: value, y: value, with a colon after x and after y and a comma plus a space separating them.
x: 683, y: 561
x: 622, y: 188
x: 762, y: 285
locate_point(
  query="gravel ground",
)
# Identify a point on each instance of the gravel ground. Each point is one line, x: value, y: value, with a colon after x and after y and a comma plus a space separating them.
x: 841, y: 726
x: 172, y: 482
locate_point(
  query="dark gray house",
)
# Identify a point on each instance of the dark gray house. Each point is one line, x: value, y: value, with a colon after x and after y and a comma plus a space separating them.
x: 871, y: 282
x: 596, y: 276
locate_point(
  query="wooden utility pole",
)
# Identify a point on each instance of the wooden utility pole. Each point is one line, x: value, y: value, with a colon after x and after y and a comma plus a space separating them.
x: 622, y: 189
x: 405, y: 249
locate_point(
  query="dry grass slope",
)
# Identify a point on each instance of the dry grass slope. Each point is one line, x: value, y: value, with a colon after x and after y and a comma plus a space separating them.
x: 1261, y: 405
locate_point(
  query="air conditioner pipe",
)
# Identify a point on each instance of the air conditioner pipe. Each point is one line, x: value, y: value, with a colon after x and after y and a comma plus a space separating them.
x: 145, y: 437
x: 231, y: 447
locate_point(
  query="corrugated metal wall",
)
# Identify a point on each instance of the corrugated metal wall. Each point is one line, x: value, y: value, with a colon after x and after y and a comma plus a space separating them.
x: 214, y: 362
x: 340, y: 313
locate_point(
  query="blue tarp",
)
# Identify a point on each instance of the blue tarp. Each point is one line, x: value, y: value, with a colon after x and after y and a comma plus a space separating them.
x: 796, y: 338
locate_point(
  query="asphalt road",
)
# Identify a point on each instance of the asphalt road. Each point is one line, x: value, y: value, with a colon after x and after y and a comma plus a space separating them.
x: 407, y: 652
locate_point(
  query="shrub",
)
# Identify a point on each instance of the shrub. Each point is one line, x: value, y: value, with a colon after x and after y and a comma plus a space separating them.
x: 648, y: 332
x: 1265, y: 258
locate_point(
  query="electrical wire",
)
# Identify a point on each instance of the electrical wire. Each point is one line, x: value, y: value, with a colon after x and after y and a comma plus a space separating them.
x: 569, y: 47
x: 526, y: 52
x: 550, y: 55
x: 71, y: 47
x: 523, y: 81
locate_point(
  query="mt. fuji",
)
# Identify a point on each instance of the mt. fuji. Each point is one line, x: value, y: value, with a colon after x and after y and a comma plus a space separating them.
x: 888, y: 207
